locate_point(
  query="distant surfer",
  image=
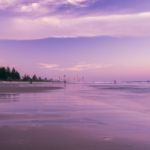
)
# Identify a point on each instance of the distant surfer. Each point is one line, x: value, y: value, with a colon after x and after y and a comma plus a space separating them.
x: 65, y: 81
x: 31, y: 81
x: 115, y: 82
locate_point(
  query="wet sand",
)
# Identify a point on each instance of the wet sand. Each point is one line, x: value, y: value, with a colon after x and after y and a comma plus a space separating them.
x: 75, y: 118
x: 55, y: 137
x: 26, y: 88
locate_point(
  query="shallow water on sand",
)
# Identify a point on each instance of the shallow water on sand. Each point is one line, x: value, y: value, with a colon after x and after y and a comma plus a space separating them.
x: 107, y: 116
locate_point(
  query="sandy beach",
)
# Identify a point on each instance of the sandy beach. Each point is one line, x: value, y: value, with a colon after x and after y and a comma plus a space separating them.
x: 57, y: 137
x: 79, y: 117
x: 15, y: 87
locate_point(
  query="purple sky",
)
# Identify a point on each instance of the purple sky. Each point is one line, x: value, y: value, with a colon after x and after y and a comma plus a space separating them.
x: 98, y: 39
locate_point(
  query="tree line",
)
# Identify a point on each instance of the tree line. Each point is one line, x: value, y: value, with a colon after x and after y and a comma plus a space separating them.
x: 8, y: 74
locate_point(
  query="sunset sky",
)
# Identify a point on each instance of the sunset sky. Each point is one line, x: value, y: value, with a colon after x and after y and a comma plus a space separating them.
x: 99, y: 39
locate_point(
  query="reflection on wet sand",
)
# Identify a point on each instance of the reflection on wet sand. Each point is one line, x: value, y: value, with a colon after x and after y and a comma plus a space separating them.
x: 57, y: 137
x: 8, y: 97
x: 78, y: 117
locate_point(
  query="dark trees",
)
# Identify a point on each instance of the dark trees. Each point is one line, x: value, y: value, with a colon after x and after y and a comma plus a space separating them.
x: 8, y: 74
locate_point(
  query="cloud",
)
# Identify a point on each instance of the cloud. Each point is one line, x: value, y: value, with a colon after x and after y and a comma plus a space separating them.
x: 52, y: 18
x: 74, y: 68
x: 29, y: 6
x: 49, y: 66
x: 83, y: 67
x: 58, y: 26
x: 7, y: 3
x: 79, y: 2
